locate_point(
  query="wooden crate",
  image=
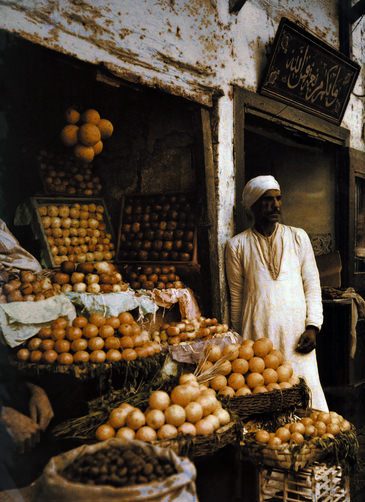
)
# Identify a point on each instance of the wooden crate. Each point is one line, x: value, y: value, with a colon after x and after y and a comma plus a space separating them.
x: 166, y: 215
x: 38, y: 201
x: 319, y: 483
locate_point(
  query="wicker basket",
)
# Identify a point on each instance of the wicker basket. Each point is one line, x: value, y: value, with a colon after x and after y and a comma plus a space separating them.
x: 128, y: 370
x: 200, y: 446
x: 297, y: 396
x: 342, y: 449
x: 289, y: 458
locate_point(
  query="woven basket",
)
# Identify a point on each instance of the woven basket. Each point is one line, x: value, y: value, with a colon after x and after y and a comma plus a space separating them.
x: 297, y: 396
x: 200, y: 446
x: 297, y: 457
x: 128, y: 370
x: 288, y: 458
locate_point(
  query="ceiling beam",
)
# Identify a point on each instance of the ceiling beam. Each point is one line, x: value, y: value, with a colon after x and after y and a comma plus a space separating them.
x: 236, y: 5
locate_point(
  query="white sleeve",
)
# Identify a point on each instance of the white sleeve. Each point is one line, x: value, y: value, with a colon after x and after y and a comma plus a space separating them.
x: 235, y: 279
x: 311, y: 283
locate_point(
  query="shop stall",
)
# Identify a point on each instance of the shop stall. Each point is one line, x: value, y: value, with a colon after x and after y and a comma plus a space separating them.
x: 123, y: 320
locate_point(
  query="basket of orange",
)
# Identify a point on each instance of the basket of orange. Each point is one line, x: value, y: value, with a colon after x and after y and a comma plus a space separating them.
x: 252, y: 378
x: 299, y: 439
x: 189, y: 419
x: 184, y: 416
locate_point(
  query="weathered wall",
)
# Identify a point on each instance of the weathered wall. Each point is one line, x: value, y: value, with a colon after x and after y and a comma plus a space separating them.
x: 190, y: 48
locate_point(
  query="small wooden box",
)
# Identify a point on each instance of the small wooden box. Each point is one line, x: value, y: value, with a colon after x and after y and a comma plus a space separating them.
x: 40, y: 201
x: 158, y: 228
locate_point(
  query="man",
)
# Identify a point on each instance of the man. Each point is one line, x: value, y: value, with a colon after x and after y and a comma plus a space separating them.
x: 274, y: 284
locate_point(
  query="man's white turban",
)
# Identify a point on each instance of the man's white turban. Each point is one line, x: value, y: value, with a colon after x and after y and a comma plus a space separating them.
x: 256, y: 187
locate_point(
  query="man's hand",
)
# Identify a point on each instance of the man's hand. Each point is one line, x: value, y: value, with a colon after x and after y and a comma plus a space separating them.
x: 22, y: 429
x: 307, y: 341
x: 40, y: 408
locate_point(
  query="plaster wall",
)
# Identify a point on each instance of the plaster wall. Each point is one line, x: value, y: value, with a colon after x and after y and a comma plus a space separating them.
x: 190, y: 48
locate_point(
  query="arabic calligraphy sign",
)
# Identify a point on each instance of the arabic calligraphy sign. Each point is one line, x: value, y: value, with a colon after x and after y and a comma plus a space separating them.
x: 309, y: 74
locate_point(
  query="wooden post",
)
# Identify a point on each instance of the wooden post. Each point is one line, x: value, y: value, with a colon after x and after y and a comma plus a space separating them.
x: 210, y: 184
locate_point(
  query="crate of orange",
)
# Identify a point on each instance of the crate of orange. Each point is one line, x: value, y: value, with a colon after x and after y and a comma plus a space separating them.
x: 252, y: 378
x: 89, y: 347
x: 298, y: 439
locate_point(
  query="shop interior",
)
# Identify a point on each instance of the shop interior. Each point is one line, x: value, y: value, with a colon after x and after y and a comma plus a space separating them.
x: 156, y: 147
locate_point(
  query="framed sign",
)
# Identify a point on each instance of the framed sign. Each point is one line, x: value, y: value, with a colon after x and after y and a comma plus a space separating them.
x: 309, y: 74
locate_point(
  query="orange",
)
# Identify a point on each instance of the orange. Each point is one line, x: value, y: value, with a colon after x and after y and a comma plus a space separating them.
x: 106, y: 128
x: 72, y: 116
x: 89, y: 134
x: 262, y: 436
x: 262, y: 347
x: 84, y: 153
x: 270, y: 376
x: 69, y: 135
x: 278, y: 354
x: 98, y: 147
x: 236, y: 380
x: 240, y: 366
x: 256, y: 364
x: 254, y: 380
x: 271, y: 361
x: 91, y: 116
x: 284, y: 373
x: 246, y: 351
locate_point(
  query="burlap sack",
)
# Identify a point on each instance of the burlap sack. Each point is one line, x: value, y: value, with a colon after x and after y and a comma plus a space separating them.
x: 180, y: 487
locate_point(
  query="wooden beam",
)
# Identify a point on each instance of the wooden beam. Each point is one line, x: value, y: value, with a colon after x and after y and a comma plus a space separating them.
x: 357, y: 11
x: 216, y: 290
x: 236, y: 5
x: 345, y: 34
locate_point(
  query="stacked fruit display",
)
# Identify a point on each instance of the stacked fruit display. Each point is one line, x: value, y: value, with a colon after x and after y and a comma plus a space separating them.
x: 28, y: 287
x: 250, y: 368
x: 187, y: 330
x: 95, y: 340
x: 85, y: 132
x: 64, y: 175
x: 190, y: 409
x: 153, y: 276
x: 98, y: 277
x: 158, y: 228
x: 77, y: 232
x: 317, y: 425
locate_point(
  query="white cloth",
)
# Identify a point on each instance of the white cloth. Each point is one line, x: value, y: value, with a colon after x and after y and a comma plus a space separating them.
x: 281, y: 308
x: 12, y: 254
x: 256, y: 187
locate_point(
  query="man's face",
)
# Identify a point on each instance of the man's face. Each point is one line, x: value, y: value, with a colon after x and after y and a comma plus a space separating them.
x: 267, y: 209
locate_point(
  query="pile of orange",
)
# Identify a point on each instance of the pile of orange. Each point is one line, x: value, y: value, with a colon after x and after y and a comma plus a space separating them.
x: 317, y: 425
x: 87, y: 137
x: 189, y: 409
x: 250, y: 368
x: 96, y: 340
x: 188, y: 330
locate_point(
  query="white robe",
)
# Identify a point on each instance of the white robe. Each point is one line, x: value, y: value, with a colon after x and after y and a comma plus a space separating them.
x: 281, y: 303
